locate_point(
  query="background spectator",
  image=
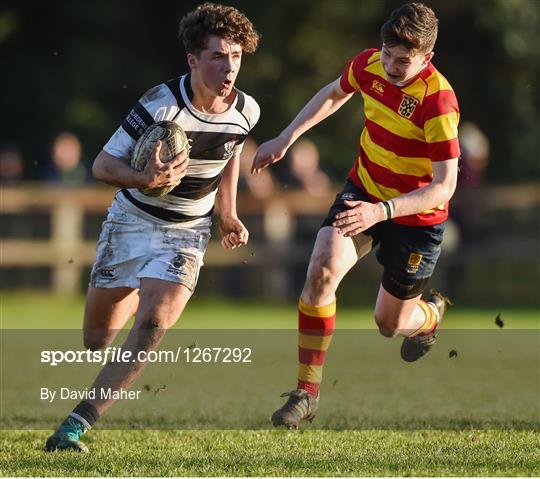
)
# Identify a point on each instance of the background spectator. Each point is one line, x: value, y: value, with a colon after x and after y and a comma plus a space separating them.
x: 66, y: 163
x: 473, y: 164
x: 11, y: 164
x: 303, y: 171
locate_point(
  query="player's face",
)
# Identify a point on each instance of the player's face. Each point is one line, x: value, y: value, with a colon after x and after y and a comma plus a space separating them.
x: 400, y: 64
x: 218, y: 65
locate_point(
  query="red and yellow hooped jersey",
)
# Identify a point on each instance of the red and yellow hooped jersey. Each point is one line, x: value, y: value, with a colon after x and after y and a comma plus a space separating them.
x: 406, y: 128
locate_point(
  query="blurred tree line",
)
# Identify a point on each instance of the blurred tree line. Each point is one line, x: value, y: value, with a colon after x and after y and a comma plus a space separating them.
x: 80, y: 66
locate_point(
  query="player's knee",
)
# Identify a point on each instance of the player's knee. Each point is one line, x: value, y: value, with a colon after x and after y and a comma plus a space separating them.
x: 387, y: 326
x: 159, y: 317
x: 95, y: 342
x: 154, y: 323
x: 94, y: 345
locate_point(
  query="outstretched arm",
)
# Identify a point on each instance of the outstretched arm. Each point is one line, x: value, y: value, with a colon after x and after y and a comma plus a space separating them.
x: 325, y: 102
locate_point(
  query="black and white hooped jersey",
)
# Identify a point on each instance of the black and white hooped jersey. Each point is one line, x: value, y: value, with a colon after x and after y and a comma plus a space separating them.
x: 214, y: 139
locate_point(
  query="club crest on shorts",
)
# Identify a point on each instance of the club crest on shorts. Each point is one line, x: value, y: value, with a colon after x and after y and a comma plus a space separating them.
x: 178, y: 261
x: 407, y: 106
x: 414, y: 262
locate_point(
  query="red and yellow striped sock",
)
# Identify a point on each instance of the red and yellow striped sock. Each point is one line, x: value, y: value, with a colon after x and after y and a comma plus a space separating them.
x: 424, y: 319
x: 315, y: 330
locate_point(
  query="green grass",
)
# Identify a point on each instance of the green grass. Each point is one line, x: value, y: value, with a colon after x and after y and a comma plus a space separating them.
x: 33, y: 310
x: 474, y: 415
x: 279, y: 453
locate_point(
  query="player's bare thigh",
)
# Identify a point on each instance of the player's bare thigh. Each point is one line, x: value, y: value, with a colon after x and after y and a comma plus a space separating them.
x: 106, y: 312
x: 333, y: 256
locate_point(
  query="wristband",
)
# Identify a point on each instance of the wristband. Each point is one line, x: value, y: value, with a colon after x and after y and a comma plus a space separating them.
x: 389, y: 208
x: 392, y: 213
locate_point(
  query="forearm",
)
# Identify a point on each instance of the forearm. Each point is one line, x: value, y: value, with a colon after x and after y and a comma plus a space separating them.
x: 116, y: 172
x: 438, y: 192
x: 226, y: 195
x: 325, y: 102
x: 422, y: 199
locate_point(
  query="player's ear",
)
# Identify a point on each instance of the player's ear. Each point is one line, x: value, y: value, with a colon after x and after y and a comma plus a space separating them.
x: 429, y: 56
x: 192, y: 60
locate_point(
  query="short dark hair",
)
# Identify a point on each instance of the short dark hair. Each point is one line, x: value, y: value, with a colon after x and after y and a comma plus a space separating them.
x: 413, y: 25
x: 220, y: 20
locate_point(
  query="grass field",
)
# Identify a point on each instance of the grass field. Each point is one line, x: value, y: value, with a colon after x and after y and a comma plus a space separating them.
x: 474, y: 415
x: 279, y: 453
x: 43, y: 311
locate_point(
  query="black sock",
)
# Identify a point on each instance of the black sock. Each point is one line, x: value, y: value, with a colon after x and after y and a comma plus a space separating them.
x: 84, y: 410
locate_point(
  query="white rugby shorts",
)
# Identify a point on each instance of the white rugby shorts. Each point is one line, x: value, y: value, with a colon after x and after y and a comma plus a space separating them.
x: 134, y: 245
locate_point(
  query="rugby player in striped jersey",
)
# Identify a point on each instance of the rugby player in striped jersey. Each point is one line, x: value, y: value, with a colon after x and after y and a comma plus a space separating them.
x: 396, y: 196
x: 151, y: 248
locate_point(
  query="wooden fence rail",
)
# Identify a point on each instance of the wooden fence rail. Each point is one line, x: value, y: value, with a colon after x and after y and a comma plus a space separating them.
x: 66, y: 251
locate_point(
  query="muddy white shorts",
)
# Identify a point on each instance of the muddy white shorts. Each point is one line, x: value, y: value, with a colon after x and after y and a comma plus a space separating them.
x: 135, y: 245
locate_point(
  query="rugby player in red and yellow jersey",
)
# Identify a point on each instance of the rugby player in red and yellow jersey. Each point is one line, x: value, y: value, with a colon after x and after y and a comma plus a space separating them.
x: 396, y: 196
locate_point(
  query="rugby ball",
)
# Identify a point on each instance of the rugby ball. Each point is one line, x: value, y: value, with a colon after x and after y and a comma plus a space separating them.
x: 174, y: 141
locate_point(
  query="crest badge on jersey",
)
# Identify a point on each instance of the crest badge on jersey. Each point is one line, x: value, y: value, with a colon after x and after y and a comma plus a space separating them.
x: 407, y: 106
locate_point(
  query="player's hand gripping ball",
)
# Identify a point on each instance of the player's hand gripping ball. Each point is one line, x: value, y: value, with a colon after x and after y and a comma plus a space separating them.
x: 174, y: 141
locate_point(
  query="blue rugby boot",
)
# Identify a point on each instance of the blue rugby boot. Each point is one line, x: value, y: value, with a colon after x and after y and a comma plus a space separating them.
x: 67, y: 436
